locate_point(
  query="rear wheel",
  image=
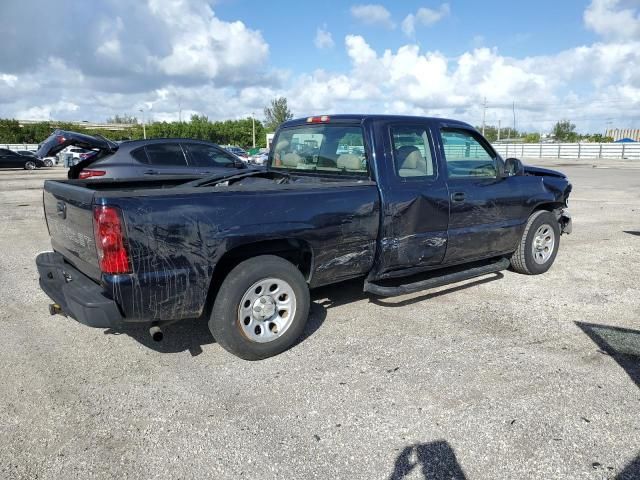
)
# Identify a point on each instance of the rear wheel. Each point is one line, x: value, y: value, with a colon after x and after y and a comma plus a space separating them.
x: 539, y: 244
x: 30, y: 165
x: 261, y: 308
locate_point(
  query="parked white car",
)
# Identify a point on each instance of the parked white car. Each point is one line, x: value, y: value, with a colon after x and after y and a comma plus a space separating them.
x: 260, y: 158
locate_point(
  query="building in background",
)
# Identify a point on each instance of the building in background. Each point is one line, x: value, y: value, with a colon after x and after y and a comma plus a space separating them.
x: 620, y: 133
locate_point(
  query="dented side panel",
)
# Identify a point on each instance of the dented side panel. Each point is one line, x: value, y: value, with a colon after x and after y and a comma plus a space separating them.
x: 413, y: 233
x: 176, y: 240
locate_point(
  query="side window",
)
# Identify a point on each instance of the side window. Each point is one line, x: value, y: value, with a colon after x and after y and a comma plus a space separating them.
x: 209, y: 156
x: 140, y: 155
x: 412, y: 151
x: 166, y: 155
x: 466, y: 156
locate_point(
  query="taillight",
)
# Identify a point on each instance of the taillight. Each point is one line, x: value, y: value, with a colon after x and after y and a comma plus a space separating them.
x: 321, y: 119
x: 108, y: 230
x: 91, y: 173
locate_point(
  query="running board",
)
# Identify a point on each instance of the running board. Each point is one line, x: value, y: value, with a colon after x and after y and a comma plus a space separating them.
x: 438, y: 281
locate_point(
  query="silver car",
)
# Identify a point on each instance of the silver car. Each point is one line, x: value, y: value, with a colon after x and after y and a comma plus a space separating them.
x: 139, y: 158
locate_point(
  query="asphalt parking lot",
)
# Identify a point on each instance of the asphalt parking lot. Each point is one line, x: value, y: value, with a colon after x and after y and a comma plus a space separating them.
x: 507, y: 376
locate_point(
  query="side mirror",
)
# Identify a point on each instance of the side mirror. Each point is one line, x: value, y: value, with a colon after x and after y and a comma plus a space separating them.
x: 513, y: 167
x: 240, y: 164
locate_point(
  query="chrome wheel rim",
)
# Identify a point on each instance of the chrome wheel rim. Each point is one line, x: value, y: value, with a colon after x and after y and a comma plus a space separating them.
x: 266, y: 310
x: 543, y: 243
x: 30, y: 165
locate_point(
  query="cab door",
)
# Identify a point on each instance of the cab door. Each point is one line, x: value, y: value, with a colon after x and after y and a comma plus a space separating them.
x: 415, y: 198
x: 486, y: 215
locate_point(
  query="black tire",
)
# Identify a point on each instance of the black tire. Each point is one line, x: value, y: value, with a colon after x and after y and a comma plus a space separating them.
x: 523, y: 260
x: 48, y: 163
x: 30, y: 165
x: 225, y: 319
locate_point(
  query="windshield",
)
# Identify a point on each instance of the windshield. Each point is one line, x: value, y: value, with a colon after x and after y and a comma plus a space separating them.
x: 322, y: 148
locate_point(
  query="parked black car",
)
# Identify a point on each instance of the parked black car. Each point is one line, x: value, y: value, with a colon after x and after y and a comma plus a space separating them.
x: 139, y: 158
x: 11, y: 159
x: 48, y: 162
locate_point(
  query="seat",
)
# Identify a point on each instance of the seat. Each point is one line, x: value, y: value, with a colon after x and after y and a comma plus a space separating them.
x: 291, y: 160
x: 350, y: 162
x: 411, y: 163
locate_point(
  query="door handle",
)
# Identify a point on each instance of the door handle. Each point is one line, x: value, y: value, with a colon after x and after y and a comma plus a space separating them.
x: 150, y: 172
x: 458, y: 197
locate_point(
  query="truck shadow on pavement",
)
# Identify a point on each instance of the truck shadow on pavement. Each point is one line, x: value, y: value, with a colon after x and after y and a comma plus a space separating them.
x: 192, y: 334
x: 623, y: 346
x: 436, y: 461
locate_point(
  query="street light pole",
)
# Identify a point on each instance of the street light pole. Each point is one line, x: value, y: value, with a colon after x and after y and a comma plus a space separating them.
x: 253, y: 123
x: 144, y: 128
x: 484, y: 114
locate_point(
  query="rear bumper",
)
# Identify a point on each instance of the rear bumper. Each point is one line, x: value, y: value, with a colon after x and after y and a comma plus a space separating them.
x: 78, y: 296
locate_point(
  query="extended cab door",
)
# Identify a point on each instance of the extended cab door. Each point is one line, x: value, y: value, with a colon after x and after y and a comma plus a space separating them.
x: 486, y: 213
x: 415, y: 199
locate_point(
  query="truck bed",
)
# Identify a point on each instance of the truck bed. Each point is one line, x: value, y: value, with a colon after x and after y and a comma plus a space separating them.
x: 178, y: 232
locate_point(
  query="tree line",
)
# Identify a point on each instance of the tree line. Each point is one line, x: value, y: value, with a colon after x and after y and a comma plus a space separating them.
x: 226, y: 132
x: 562, y: 131
x: 240, y: 132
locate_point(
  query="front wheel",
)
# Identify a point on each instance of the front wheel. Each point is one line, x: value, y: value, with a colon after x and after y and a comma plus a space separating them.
x: 30, y: 165
x: 48, y: 163
x: 538, y: 247
x: 261, y: 308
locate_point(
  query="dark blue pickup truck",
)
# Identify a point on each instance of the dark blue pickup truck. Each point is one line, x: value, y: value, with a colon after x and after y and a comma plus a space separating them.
x: 347, y: 196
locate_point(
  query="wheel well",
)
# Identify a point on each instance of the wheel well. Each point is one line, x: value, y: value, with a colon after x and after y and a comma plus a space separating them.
x: 549, y: 207
x: 298, y: 252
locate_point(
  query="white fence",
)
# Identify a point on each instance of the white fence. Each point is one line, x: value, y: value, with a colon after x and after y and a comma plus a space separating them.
x: 19, y: 146
x: 630, y: 151
x: 569, y: 150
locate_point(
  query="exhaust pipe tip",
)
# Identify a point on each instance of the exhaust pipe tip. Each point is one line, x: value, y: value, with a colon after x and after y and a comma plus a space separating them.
x: 55, y: 309
x: 156, y: 333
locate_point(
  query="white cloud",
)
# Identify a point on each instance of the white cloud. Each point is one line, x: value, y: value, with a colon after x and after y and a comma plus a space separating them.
x: 371, y: 14
x: 202, y: 44
x: 323, y: 39
x: 610, y: 20
x: 179, y: 55
x: 425, y: 17
x: 8, y: 80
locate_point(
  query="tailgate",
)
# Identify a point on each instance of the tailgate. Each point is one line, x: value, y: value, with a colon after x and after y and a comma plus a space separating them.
x: 69, y: 213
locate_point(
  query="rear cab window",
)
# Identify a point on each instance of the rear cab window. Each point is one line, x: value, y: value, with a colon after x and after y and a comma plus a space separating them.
x: 321, y: 148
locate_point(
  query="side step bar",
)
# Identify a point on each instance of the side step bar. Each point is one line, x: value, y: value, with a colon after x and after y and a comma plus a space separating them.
x: 438, y: 281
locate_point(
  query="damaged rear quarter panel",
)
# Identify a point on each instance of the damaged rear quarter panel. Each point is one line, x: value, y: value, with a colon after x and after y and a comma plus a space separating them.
x: 175, y: 240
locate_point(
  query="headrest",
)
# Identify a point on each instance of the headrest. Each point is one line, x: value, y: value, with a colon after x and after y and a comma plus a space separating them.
x: 290, y: 159
x: 350, y: 162
x: 408, y: 157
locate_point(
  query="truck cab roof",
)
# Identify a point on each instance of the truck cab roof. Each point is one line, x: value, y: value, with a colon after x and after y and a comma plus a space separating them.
x: 359, y: 118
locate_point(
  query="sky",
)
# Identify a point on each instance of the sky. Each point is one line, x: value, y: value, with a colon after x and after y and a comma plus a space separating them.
x: 552, y: 60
